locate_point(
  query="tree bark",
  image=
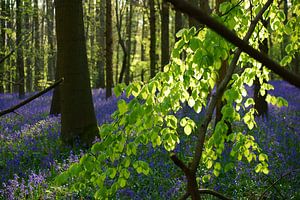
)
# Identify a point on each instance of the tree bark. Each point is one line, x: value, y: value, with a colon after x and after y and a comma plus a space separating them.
x: 38, y: 68
x: 165, y: 55
x: 50, y: 35
x: 20, y: 61
x: 128, y: 42
x: 28, y: 47
x: 109, y: 50
x: 100, y: 37
x: 78, y: 119
x: 152, y: 39
x: 2, y: 45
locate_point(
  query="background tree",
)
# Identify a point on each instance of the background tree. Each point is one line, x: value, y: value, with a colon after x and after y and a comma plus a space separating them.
x: 100, y: 38
x: 165, y: 55
x: 152, y: 38
x: 77, y: 113
x: 20, y: 61
x: 109, y: 51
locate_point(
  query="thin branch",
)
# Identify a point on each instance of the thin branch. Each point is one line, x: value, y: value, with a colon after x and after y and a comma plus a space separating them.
x: 230, y: 36
x: 275, y: 182
x: 233, y: 7
x: 13, y: 108
x: 214, y: 193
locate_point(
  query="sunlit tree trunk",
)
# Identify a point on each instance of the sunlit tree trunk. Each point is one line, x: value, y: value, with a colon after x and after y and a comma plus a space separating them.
x: 78, y: 119
x: 109, y: 50
x: 50, y: 35
x: 100, y: 37
x: 128, y: 42
x: 20, y: 61
x: 165, y: 55
x: 2, y: 46
x: 38, y: 68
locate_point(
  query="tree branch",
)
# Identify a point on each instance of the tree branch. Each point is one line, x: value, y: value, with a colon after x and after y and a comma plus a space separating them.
x: 230, y: 36
x: 275, y: 182
x: 13, y: 108
x: 214, y: 193
x: 220, y: 91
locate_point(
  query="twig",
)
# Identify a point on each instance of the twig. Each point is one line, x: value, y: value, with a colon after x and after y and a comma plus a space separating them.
x: 214, y: 193
x: 12, y: 109
x: 230, y: 36
x: 275, y: 182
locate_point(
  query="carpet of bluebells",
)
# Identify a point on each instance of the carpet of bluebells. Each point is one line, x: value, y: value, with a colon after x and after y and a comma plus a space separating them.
x: 31, y: 154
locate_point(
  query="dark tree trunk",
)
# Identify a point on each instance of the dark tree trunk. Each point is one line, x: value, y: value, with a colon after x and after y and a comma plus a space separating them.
x: 20, y: 61
x: 152, y: 39
x: 78, y: 119
x: 28, y: 51
x: 165, y: 55
x: 100, y: 32
x: 55, y: 108
x: 260, y: 101
x: 109, y: 50
x: 178, y: 22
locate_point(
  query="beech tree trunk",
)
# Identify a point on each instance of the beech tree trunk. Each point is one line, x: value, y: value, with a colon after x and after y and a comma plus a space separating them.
x: 50, y: 35
x: 165, y: 55
x: 2, y: 46
x: 109, y: 50
x: 152, y: 39
x: 38, y: 72
x: 20, y: 61
x: 78, y: 119
x: 100, y: 37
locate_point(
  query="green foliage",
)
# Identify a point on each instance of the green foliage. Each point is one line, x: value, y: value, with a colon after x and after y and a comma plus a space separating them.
x: 151, y: 116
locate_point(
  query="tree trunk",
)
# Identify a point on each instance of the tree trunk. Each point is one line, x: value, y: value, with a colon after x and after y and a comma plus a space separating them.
x: 28, y: 48
x: 165, y: 55
x: 178, y: 23
x: 51, y: 52
x: 128, y: 42
x: 152, y: 39
x: 78, y: 119
x: 2, y: 46
x: 38, y: 76
x: 20, y: 61
x: 260, y: 101
x: 109, y: 50
x: 100, y: 32
x: 55, y: 108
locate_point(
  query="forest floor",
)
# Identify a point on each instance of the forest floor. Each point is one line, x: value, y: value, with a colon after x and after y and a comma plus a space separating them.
x: 31, y: 154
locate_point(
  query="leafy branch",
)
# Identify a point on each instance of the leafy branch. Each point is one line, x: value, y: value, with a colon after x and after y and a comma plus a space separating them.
x: 230, y: 36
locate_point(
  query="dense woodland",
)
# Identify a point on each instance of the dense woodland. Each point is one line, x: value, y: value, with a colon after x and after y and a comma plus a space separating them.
x: 98, y: 95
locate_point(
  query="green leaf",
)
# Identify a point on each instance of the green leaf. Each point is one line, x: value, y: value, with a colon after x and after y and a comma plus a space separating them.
x: 249, y: 102
x: 111, y: 172
x: 217, y: 166
x: 123, y: 107
x: 191, y: 102
x: 262, y: 157
x: 206, y: 178
x: 209, y: 164
x: 195, y: 43
x: 258, y: 168
x: 118, y: 89
x: 281, y: 102
x: 188, y: 129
